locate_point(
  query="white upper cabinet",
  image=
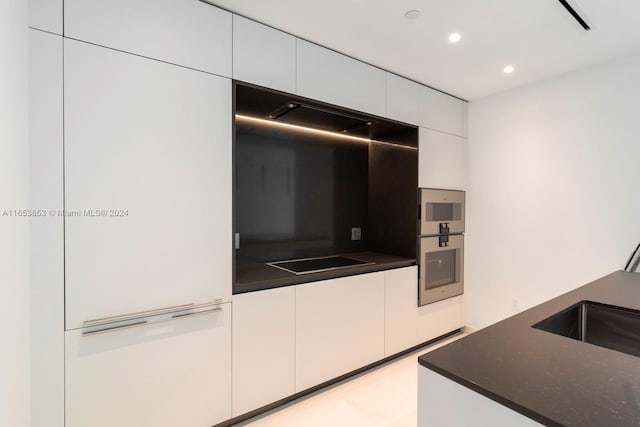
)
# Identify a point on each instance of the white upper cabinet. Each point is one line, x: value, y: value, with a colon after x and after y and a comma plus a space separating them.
x: 190, y: 33
x: 148, y: 149
x: 442, y: 160
x: 403, y: 99
x: 46, y: 15
x: 442, y: 112
x: 334, y: 78
x: 263, y: 55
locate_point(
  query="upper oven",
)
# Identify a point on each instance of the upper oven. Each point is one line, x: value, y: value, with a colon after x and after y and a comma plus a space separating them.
x: 441, y: 212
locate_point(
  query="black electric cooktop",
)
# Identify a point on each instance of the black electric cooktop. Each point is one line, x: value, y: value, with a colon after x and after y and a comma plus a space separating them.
x: 315, y: 265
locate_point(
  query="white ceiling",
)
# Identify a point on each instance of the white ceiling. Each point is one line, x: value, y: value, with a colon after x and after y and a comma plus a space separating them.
x: 538, y: 37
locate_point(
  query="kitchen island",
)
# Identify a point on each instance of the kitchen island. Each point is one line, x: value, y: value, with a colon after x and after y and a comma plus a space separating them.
x: 512, y: 373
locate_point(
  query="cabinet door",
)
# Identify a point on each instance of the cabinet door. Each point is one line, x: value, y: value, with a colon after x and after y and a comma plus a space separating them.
x: 403, y: 99
x: 147, y: 184
x: 328, y: 76
x: 339, y: 327
x: 47, y: 236
x: 442, y: 160
x: 439, y: 318
x: 401, y: 309
x: 263, y: 348
x: 172, y: 373
x: 46, y: 15
x: 439, y: 111
x: 184, y: 32
x: 263, y: 55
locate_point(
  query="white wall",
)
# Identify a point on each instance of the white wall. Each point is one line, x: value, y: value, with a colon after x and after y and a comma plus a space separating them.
x: 553, y: 199
x: 14, y: 233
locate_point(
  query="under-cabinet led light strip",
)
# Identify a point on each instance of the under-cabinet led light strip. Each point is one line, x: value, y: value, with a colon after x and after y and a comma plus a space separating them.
x: 318, y: 131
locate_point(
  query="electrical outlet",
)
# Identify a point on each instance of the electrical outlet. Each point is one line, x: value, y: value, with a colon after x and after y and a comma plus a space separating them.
x: 356, y: 233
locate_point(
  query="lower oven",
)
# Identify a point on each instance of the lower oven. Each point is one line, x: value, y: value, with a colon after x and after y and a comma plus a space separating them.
x: 441, y: 267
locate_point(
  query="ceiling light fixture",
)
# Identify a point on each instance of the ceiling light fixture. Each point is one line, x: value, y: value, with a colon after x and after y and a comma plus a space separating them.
x: 412, y: 14
x: 454, y: 37
x: 509, y: 69
x: 298, y: 128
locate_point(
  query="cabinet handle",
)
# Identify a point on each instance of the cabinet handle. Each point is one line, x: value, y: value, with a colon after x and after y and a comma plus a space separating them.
x: 141, y: 317
x: 196, y: 313
x: 134, y: 316
x: 113, y: 328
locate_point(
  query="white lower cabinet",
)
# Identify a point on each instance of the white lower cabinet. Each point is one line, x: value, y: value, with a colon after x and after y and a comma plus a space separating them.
x: 339, y: 327
x: 263, y: 348
x: 440, y: 318
x: 400, y: 309
x: 164, y: 374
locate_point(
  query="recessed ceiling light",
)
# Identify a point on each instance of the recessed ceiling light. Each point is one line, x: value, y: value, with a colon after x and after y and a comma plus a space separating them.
x: 509, y: 69
x: 412, y: 14
x: 454, y: 37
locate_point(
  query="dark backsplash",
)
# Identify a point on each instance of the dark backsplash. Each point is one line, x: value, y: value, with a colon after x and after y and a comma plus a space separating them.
x: 298, y: 194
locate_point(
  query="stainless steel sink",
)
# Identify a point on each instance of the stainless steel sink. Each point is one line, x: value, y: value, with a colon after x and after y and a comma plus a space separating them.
x: 616, y: 328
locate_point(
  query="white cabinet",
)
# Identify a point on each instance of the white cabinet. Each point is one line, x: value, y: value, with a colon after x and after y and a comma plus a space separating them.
x: 439, y: 318
x: 184, y: 32
x: 263, y: 55
x: 147, y: 184
x: 400, y: 310
x: 339, y: 327
x: 263, y: 348
x: 165, y: 374
x: 439, y: 111
x: 440, y: 401
x: 331, y: 77
x: 442, y: 160
x: 46, y: 15
x: 47, y: 236
x: 403, y: 99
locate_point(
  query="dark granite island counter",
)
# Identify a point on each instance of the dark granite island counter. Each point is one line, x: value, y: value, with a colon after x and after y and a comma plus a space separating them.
x: 542, y: 377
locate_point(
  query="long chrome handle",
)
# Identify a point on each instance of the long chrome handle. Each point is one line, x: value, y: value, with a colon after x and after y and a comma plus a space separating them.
x: 147, y: 313
x: 113, y: 328
x: 195, y: 313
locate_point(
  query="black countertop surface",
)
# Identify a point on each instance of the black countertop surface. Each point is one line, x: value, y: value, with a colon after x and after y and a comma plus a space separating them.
x: 550, y: 378
x: 256, y: 277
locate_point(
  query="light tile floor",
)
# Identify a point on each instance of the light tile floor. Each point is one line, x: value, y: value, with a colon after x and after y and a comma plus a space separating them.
x: 385, y: 396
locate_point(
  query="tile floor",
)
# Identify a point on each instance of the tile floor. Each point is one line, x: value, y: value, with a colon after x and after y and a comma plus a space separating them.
x: 385, y: 396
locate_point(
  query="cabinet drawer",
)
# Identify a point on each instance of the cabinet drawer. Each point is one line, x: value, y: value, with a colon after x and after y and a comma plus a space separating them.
x: 439, y: 318
x: 190, y: 33
x: 166, y: 374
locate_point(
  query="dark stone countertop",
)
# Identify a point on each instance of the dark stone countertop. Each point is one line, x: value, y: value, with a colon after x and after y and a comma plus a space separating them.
x: 550, y: 378
x: 257, y: 277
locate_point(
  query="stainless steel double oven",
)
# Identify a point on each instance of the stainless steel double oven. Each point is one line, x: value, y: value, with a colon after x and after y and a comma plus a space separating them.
x: 441, y: 244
